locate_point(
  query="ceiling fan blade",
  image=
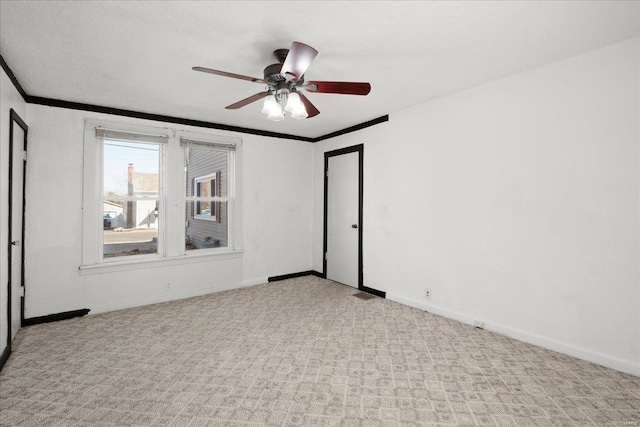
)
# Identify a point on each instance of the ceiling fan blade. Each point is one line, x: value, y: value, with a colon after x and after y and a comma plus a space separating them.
x: 247, y: 101
x: 347, y: 88
x: 312, y: 111
x: 225, y: 74
x: 298, y: 60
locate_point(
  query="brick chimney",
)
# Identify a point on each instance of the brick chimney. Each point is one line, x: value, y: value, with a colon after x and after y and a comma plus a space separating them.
x: 130, y: 207
x: 130, y: 175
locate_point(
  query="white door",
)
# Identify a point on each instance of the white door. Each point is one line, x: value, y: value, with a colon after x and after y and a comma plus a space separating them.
x: 17, y: 206
x: 343, y: 218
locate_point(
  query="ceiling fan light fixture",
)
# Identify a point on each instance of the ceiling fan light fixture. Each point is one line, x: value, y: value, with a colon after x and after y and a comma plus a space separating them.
x: 276, y: 114
x: 293, y: 102
x: 270, y: 104
x: 300, y: 112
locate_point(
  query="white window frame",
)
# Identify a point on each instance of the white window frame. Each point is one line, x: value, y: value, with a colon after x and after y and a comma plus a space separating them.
x: 216, y: 193
x: 172, y: 209
x: 160, y: 199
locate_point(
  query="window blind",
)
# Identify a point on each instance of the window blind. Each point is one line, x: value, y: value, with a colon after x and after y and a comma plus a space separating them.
x: 220, y: 146
x: 115, y: 135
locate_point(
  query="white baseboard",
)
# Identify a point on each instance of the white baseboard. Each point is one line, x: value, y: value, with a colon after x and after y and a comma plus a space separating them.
x: 626, y: 366
x: 175, y: 296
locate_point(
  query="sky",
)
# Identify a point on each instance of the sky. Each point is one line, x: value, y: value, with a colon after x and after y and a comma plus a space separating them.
x: 118, y: 155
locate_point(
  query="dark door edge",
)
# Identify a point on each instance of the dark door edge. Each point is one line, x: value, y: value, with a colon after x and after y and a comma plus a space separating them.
x: 5, y: 356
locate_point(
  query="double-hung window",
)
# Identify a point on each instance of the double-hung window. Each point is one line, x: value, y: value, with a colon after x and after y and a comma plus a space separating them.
x: 131, y: 193
x: 209, y: 209
x: 152, y: 194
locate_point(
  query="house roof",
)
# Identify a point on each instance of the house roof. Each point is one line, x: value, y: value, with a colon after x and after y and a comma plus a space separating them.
x: 138, y: 55
x: 145, y: 182
x: 114, y: 204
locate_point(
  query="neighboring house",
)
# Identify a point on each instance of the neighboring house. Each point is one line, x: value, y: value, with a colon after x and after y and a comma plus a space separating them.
x: 143, y: 213
x: 206, y: 177
x: 113, y: 214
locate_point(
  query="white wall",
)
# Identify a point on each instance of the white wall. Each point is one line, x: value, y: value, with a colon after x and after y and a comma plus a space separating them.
x: 277, y: 198
x: 516, y: 203
x: 9, y: 98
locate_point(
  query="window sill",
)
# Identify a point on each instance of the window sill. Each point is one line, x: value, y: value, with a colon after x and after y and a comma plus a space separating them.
x: 137, y: 264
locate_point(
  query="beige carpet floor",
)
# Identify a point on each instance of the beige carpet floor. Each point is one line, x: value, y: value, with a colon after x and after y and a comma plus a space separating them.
x: 301, y: 352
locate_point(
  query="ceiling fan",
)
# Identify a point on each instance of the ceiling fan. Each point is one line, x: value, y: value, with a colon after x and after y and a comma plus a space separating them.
x: 284, y: 81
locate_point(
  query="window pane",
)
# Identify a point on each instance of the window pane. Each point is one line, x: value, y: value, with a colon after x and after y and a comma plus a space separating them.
x: 205, y: 187
x: 207, y: 220
x: 131, y: 169
x: 204, y: 233
x: 205, y: 209
x: 130, y: 228
x: 204, y: 169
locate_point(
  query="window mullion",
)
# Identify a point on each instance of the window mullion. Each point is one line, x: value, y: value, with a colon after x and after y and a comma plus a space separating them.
x: 174, y: 177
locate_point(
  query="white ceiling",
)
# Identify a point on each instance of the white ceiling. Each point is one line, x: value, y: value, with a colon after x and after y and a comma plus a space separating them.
x: 138, y: 55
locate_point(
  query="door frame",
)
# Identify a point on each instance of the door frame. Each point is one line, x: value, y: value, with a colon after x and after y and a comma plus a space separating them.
x: 15, y: 118
x: 359, y: 148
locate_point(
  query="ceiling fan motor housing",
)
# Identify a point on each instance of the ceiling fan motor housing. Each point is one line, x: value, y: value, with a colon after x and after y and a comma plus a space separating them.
x: 272, y: 74
x: 281, y: 54
x: 278, y: 85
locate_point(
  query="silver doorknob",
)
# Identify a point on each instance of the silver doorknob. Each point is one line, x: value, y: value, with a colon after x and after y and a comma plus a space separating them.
x: 354, y: 225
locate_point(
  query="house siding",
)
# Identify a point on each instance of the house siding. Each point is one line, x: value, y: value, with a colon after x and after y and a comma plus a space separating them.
x: 202, y: 163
